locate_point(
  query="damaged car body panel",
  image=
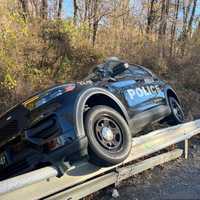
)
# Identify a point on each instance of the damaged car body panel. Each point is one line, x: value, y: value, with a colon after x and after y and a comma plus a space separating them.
x: 52, y: 126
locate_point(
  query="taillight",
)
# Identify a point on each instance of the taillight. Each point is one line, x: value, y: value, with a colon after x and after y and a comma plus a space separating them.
x: 70, y: 87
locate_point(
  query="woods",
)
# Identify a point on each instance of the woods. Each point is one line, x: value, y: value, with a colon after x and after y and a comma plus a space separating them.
x: 42, y: 43
x: 159, y: 16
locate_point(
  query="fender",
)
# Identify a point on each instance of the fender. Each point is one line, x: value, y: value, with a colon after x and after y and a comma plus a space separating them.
x: 80, y: 104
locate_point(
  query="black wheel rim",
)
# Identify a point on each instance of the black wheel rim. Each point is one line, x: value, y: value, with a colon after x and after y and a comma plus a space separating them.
x: 177, y: 110
x: 108, y: 133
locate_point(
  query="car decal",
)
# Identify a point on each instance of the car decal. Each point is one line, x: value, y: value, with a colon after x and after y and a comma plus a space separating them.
x: 143, y: 91
x: 138, y: 95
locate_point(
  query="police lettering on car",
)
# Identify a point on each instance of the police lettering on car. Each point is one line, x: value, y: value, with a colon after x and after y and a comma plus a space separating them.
x: 143, y: 91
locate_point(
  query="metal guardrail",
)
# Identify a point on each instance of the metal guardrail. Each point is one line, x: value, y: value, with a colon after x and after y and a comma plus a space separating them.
x: 114, y: 177
x: 84, y: 178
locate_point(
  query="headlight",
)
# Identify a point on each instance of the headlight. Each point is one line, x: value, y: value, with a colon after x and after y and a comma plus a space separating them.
x: 47, y: 96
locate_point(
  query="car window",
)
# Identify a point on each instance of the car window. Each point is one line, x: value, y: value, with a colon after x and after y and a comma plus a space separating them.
x: 133, y: 71
x: 138, y: 71
x: 126, y: 73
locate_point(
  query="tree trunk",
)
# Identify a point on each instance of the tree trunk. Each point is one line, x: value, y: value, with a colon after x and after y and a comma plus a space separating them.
x: 186, y: 11
x: 60, y: 4
x: 163, y: 18
x: 163, y: 27
x: 35, y: 7
x: 189, y: 31
x: 150, y: 17
x: 87, y: 9
x: 75, y: 12
x: 173, y: 27
x: 95, y: 19
x: 44, y: 9
x: 24, y: 6
x: 94, y: 34
x: 125, y: 12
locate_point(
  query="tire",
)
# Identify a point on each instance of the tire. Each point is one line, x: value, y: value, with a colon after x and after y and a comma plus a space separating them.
x: 108, y: 135
x: 177, y: 114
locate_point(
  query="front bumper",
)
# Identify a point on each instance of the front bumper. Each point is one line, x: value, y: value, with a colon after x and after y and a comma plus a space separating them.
x: 34, y: 159
x: 72, y: 152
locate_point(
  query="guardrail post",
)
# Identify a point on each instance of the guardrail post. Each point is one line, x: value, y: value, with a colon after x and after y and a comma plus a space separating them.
x: 186, y: 149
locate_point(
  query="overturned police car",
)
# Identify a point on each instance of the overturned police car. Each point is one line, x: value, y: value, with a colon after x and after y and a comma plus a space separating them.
x: 96, y: 117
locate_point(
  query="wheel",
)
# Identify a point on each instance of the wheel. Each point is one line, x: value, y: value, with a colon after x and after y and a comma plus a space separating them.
x: 177, y: 115
x: 108, y: 135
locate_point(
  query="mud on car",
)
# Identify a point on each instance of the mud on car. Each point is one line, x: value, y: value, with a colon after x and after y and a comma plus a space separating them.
x: 96, y: 118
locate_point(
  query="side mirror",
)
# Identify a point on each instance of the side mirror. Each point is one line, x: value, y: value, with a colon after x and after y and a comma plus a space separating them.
x: 119, y: 68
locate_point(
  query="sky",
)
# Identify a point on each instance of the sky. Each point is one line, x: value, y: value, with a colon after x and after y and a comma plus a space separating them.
x: 68, y: 8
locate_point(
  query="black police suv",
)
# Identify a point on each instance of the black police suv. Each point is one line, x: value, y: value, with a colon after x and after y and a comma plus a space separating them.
x: 95, y: 117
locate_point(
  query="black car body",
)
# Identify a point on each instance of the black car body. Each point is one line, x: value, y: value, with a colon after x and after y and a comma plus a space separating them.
x: 50, y: 126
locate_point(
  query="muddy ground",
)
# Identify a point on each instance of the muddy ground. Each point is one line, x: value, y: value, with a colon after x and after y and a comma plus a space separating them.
x: 178, y: 179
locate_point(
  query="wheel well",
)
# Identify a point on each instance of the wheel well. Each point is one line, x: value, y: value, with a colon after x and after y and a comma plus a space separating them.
x: 171, y: 93
x: 101, y: 99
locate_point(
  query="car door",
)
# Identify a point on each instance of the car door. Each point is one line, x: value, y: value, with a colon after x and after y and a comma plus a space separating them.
x: 147, y: 101
x: 141, y: 95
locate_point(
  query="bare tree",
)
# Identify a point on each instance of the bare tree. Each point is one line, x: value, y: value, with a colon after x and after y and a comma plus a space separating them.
x: 186, y: 11
x: 173, y: 26
x: 187, y: 22
x: 44, y: 9
x: 60, y: 5
x: 150, y: 16
x: 35, y: 5
x: 125, y: 11
x: 163, y: 27
x: 24, y: 5
x: 192, y: 17
x: 75, y: 11
x: 163, y: 17
x: 96, y: 20
x: 91, y: 13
